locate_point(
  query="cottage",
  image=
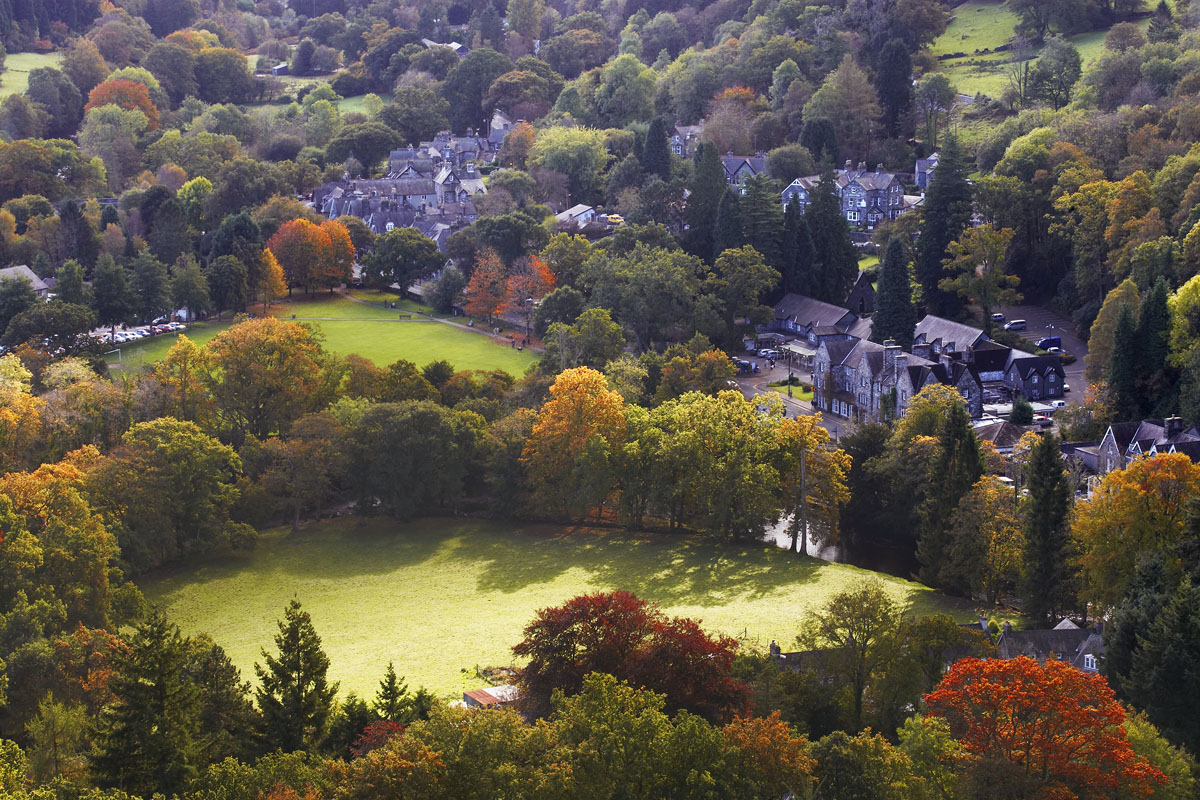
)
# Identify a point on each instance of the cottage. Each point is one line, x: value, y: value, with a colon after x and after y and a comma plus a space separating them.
x: 1034, y: 377
x: 1125, y: 441
x: 739, y: 168
x: 24, y: 273
x: 576, y: 215
x: 1081, y: 647
x: 924, y: 169
x: 861, y: 299
x: 803, y: 315
x: 935, y: 336
x: 685, y: 138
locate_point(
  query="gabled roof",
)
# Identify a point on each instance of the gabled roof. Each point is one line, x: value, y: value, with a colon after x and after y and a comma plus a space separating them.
x: 838, y: 349
x: 732, y: 164
x: 1027, y: 364
x: 1062, y: 644
x: 932, y: 328
x: 1003, y: 434
x: 990, y: 357
x: 23, y: 272
x: 811, y: 312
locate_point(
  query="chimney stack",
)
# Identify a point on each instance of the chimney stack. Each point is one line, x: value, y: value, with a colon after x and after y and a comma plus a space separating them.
x: 878, y: 168
x: 849, y: 165
x: 1173, y: 425
x: 890, y: 351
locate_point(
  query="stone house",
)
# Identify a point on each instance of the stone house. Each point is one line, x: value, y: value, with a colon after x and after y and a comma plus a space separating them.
x: 867, y: 197
x: 1125, y: 441
x: 22, y: 272
x: 861, y: 299
x: 739, y: 168
x: 923, y: 170
x: 1034, y: 377
x: 685, y: 138
x: 1066, y: 641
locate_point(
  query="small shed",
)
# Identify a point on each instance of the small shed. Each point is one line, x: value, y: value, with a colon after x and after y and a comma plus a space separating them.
x: 279, y: 70
x: 577, y: 215
x: 491, y: 697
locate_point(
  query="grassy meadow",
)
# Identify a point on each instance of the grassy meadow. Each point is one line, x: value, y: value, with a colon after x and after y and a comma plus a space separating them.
x: 440, y: 597
x: 17, y: 66
x: 371, y: 331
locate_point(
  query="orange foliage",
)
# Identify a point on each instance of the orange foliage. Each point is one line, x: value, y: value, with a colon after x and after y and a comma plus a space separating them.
x: 534, y: 281
x: 1062, y: 724
x: 85, y: 660
x: 340, y: 266
x: 779, y: 760
x: 129, y: 95
x: 488, y: 286
x: 305, y: 252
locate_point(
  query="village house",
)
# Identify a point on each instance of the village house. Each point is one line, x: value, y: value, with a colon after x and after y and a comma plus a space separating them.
x: 861, y: 299
x: 739, y: 168
x: 576, y: 216
x: 1034, y: 377
x: 22, y: 272
x: 491, y: 697
x: 867, y: 197
x: 923, y: 170
x: 1125, y: 441
x: 685, y: 139
x: 1081, y: 647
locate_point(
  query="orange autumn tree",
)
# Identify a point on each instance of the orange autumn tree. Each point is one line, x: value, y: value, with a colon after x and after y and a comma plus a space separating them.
x: 576, y: 432
x: 771, y: 758
x: 1061, y: 724
x: 271, y: 283
x: 340, y: 266
x: 129, y: 95
x: 526, y: 287
x: 303, y: 250
x: 488, y: 286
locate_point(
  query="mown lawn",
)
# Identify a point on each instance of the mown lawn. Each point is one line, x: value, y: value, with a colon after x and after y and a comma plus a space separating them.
x: 977, y: 25
x: 440, y: 597
x: 17, y: 66
x: 371, y: 331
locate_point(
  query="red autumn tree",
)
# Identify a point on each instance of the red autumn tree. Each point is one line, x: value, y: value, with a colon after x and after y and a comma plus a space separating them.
x: 129, y: 95
x: 621, y: 635
x: 304, y: 251
x: 375, y: 736
x: 1061, y: 724
x: 488, y: 286
x: 532, y: 281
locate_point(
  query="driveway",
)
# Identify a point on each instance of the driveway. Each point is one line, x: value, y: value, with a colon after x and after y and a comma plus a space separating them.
x: 757, y: 383
x: 1048, y: 322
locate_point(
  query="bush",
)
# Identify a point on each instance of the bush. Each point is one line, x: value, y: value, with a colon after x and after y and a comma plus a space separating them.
x: 1022, y: 412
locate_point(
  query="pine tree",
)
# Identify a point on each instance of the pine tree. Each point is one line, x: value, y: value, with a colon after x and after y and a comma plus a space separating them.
x: 796, y: 253
x: 895, y: 316
x: 706, y: 190
x: 392, y: 701
x: 148, y: 739
x: 947, y: 214
x: 762, y: 218
x: 835, y: 263
x: 1164, y: 667
x: 1153, y: 347
x: 227, y: 719
x: 656, y: 152
x: 112, y: 299
x: 893, y: 83
x: 956, y: 468
x: 1163, y: 27
x: 295, y: 698
x: 81, y: 239
x: 1122, y: 370
x: 820, y: 137
x: 727, y: 232
x: 1047, y: 591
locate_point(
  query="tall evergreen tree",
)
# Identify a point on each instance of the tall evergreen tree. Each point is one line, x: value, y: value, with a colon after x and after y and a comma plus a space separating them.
x: 820, y: 137
x: 796, y: 253
x: 392, y: 701
x: 227, y: 718
x: 112, y: 299
x: 762, y: 218
x: 70, y: 287
x: 1048, y: 589
x: 1123, y: 369
x: 893, y: 84
x: 148, y: 738
x: 895, y: 316
x: 947, y: 214
x: 835, y: 264
x: 656, y: 152
x: 295, y: 696
x: 727, y: 232
x: 956, y: 468
x: 82, y: 242
x: 1153, y: 347
x: 150, y: 287
x: 706, y: 190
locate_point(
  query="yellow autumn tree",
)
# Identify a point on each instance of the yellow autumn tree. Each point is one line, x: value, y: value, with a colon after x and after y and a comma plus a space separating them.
x: 568, y: 454
x: 272, y: 284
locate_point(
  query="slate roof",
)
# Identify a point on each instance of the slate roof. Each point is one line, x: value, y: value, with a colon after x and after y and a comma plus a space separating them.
x: 811, y: 312
x: 1028, y: 364
x: 23, y: 272
x: 1003, y: 434
x: 932, y: 328
x: 989, y: 356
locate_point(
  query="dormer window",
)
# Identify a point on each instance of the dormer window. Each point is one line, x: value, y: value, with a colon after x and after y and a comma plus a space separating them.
x: 1089, y: 662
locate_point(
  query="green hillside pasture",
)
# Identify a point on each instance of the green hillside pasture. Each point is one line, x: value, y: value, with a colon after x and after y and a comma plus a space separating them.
x: 440, y: 597
x: 17, y: 66
x: 370, y: 331
x: 977, y: 25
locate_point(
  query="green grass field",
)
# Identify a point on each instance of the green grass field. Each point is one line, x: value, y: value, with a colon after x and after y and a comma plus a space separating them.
x: 17, y: 66
x: 368, y: 330
x: 977, y: 25
x: 352, y: 105
x: 440, y: 597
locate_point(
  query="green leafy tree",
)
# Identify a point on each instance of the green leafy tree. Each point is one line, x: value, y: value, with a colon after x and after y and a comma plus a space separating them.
x: 368, y: 142
x: 148, y: 740
x: 150, y: 287
x: 1056, y: 72
x: 1022, y: 411
x: 468, y: 82
x: 976, y: 262
x: 57, y: 740
x: 402, y: 256
x: 579, y: 153
x: 70, y: 287
x: 295, y: 698
x: 112, y: 298
x: 895, y: 316
x: 189, y: 287
x: 16, y: 295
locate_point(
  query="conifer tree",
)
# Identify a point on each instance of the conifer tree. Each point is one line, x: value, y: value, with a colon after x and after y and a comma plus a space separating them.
x: 895, y: 316
x: 727, y: 232
x: 947, y: 213
x: 656, y: 152
x: 1123, y: 370
x: 707, y: 188
x: 70, y: 287
x: 392, y: 701
x: 835, y: 264
x: 148, y: 739
x: 796, y: 252
x: 295, y: 697
x: 1153, y: 347
x: 820, y: 137
x: 762, y: 218
x: 1047, y: 590
x: 956, y: 468
x: 893, y: 84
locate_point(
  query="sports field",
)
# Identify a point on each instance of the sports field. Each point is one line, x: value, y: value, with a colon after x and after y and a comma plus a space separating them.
x: 379, y: 334
x: 440, y: 597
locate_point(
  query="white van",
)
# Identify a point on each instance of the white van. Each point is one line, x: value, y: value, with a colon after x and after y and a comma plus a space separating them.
x: 1015, y: 325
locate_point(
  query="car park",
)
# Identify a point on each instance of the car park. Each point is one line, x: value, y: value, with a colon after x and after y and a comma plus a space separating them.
x: 1047, y: 342
x: 1015, y: 325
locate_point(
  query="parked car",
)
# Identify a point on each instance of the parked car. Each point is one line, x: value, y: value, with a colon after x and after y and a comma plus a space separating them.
x: 1047, y: 342
x: 615, y: 219
x: 1015, y: 325
x: 997, y: 317
x: 1057, y: 404
x: 743, y: 365
x: 1066, y: 388
x: 768, y: 353
x: 1058, y: 351
x: 1042, y: 420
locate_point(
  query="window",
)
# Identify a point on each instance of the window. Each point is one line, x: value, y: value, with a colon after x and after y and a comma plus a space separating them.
x: 1035, y: 380
x: 1089, y: 661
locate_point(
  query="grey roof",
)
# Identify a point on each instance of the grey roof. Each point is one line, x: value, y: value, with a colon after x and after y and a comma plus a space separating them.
x: 23, y: 272
x: 811, y: 312
x: 932, y: 328
x: 989, y: 356
x: 1065, y: 644
x: 1002, y: 434
x: 1027, y: 364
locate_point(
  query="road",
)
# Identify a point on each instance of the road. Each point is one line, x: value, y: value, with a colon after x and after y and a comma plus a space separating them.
x: 757, y: 383
x: 1048, y: 322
